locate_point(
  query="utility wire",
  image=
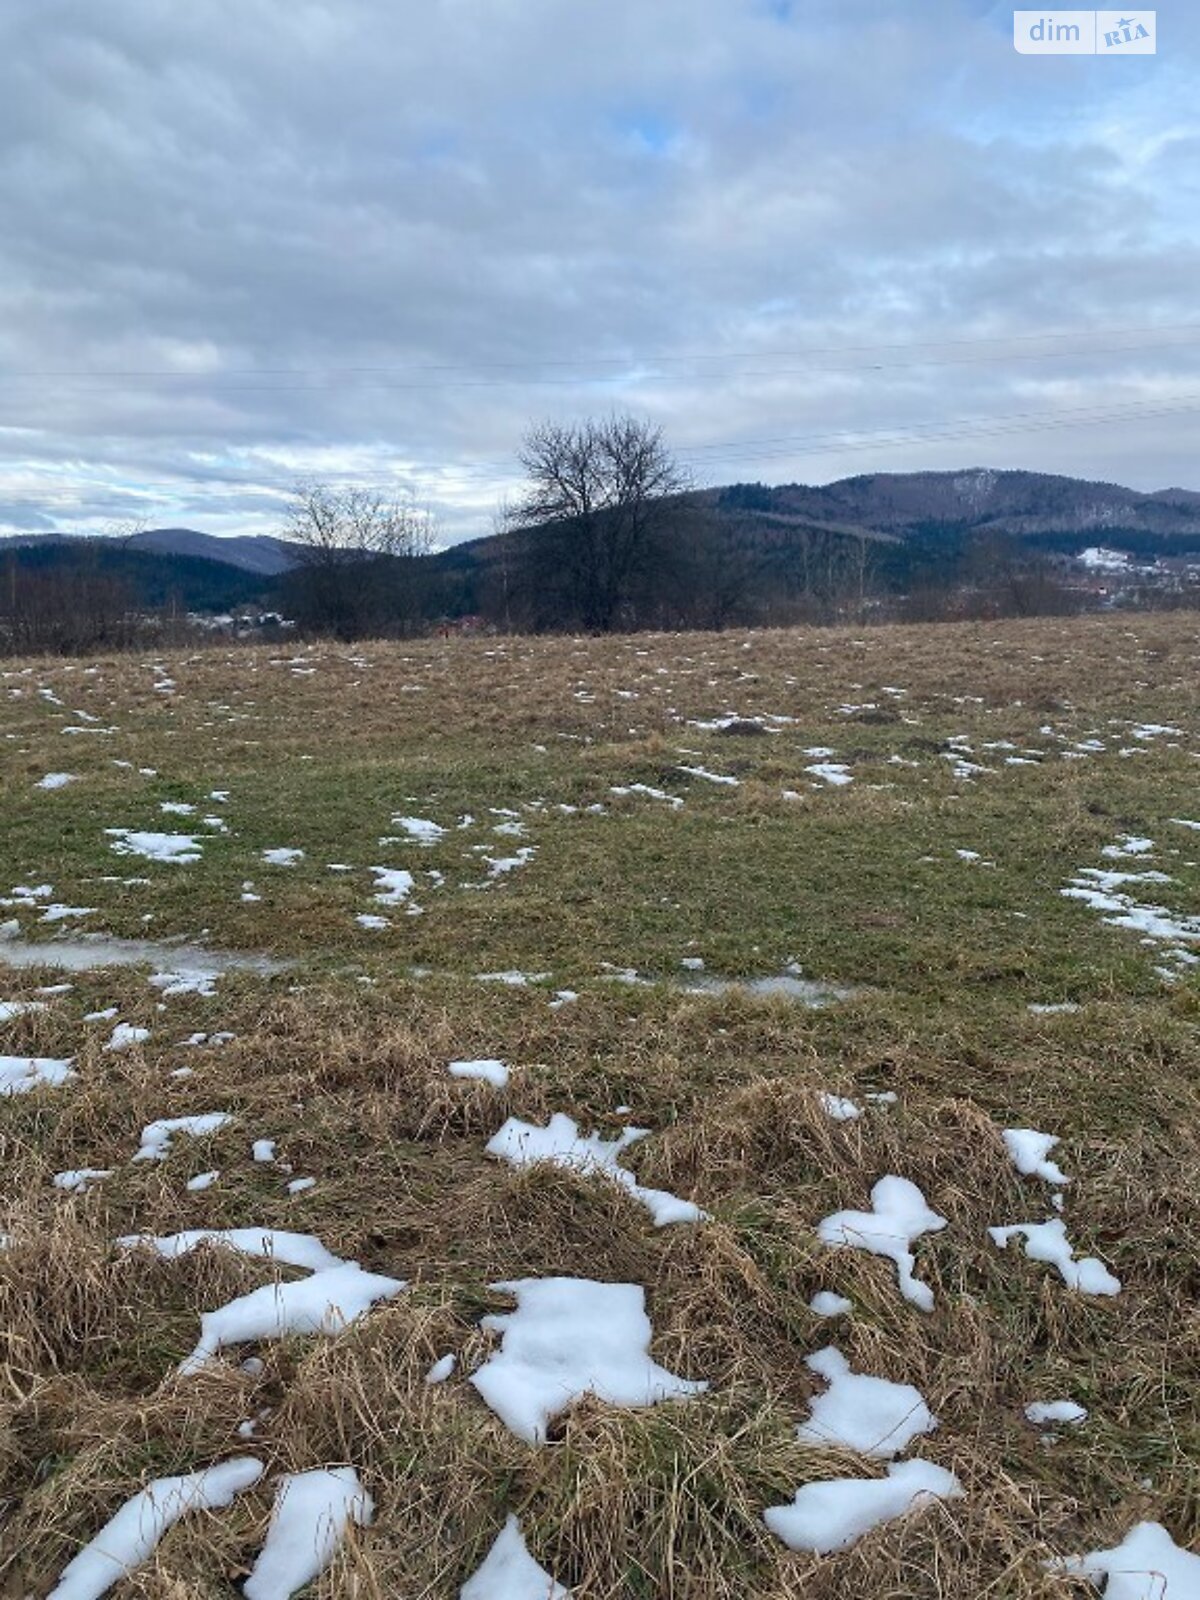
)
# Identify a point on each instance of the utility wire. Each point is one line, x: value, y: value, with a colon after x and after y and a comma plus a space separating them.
x: 317, y: 379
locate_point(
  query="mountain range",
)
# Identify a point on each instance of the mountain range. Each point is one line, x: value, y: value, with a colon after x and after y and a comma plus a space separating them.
x: 910, y: 517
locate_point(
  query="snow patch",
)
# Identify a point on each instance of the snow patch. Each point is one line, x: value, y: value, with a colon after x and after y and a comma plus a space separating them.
x: 836, y: 1514
x: 562, y: 1145
x: 1047, y: 1241
x: 567, y: 1338
x: 309, y: 1520
x: 900, y: 1216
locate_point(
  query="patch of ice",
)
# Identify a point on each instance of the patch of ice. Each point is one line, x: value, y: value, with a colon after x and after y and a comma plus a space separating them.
x: 567, y: 1338
x: 900, y: 1217
x: 872, y: 1416
x: 20, y: 1074
x: 157, y: 1136
x: 173, y: 984
x: 1047, y: 1241
x: 130, y: 1538
x: 1146, y: 1565
x: 1029, y: 1149
x: 488, y: 1070
x: 561, y: 1144
x: 174, y: 848
x: 509, y: 1572
x: 309, y: 1519
x: 836, y: 1514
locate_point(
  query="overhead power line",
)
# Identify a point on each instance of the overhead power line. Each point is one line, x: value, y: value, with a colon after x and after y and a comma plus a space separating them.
x: 706, y: 458
x: 631, y: 367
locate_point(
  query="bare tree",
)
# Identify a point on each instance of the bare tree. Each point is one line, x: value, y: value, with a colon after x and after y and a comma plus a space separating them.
x: 595, y: 514
x: 355, y: 552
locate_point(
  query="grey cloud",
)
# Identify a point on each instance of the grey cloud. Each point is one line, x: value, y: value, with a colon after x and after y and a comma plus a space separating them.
x: 239, y: 192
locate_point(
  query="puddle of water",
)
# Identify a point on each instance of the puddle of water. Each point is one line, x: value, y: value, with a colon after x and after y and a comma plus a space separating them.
x: 89, y: 951
x: 806, y: 991
x: 784, y: 985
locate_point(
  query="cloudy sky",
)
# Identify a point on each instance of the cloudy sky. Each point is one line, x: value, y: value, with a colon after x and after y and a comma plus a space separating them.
x: 244, y: 241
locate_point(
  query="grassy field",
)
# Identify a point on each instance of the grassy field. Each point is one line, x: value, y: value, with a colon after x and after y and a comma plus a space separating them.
x: 990, y: 766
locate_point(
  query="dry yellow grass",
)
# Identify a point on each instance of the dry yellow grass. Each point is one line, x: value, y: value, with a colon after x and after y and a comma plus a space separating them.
x: 861, y: 885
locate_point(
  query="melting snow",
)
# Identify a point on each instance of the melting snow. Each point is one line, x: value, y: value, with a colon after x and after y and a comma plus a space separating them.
x: 1146, y: 1565
x: 509, y: 1572
x: 827, y: 1304
x: 488, y: 1070
x: 1029, y: 1149
x: 157, y: 1136
x: 125, y: 1036
x: 832, y: 772
x: 713, y: 777
x: 418, y: 828
x: 836, y: 1514
x: 302, y: 1250
x: 81, y: 1177
x: 1041, y: 1411
x: 326, y: 1302
x: 900, y: 1216
x: 1047, y: 1241
x: 872, y: 1416
x: 130, y: 1538
x: 169, y: 847
x: 569, y: 1337
x: 281, y: 856
x: 309, y: 1520
x: 839, y: 1108
x: 560, y: 1143
x: 441, y: 1369
x: 19, y: 1008
x: 20, y: 1074
x: 56, y: 780
x: 393, y: 885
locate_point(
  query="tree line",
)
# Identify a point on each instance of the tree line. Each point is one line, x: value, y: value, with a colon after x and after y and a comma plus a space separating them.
x: 607, y: 534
